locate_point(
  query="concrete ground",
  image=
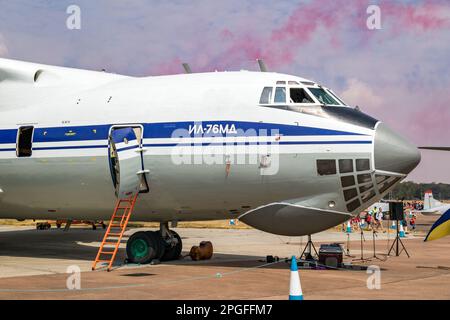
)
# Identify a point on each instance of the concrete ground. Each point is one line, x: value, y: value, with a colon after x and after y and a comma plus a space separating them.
x: 33, y: 265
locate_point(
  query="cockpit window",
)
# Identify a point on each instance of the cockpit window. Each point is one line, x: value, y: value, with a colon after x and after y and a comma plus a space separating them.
x: 323, y: 96
x: 292, y: 95
x: 280, y: 95
x: 299, y: 95
x: 336, y: 97
x: 266, y: 95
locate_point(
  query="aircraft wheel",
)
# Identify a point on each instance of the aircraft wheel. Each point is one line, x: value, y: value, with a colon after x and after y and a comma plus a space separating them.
x: 160, y: 244
x: 173, y: 252
x: 143, y: 247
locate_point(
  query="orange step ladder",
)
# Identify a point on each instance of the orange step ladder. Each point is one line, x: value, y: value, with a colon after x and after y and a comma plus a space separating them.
x: 114, y: 233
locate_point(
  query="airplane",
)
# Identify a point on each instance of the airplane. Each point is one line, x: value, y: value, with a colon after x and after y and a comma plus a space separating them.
x: 279, y: 152
x: 432, y: 206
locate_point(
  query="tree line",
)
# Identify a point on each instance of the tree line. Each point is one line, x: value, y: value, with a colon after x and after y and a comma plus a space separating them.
x: 414, y: 191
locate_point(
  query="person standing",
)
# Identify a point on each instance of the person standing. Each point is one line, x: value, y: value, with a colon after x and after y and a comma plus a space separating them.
x: 380, y: 219
x: 369, y: 220
x: 404, y: 222
x: 412, y: 222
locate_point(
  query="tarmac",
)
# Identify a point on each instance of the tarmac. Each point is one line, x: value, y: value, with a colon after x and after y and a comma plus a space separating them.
x: 33, y: 265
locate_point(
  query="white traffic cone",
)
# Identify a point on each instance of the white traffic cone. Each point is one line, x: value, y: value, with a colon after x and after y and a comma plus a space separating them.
x: 349, y: 227
x: 401, y: 232
x: 295, y: 288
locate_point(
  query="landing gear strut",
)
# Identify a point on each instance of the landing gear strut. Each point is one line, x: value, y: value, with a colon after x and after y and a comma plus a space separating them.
x: 173, y: 243
x: 145, y: 246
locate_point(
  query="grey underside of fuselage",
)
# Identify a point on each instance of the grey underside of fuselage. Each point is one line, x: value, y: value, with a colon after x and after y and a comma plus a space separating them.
x: 82, y: 188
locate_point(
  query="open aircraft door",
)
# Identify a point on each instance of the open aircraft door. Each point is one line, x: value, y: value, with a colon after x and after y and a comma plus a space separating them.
x: 126, y: 157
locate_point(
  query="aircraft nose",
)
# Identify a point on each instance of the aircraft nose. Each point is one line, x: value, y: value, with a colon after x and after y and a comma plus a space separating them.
x: 393, y: 152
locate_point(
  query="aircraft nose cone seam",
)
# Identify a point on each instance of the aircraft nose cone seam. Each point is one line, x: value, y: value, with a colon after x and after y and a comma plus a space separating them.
x: 394, y: 153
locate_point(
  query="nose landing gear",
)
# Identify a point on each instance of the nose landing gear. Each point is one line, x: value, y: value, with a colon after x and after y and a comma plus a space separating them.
x: 145, y: 246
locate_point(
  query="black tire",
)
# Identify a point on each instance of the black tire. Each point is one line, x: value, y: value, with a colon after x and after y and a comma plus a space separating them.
x: 156, y: 235
x: 173, y: 253
x: 142, y: 247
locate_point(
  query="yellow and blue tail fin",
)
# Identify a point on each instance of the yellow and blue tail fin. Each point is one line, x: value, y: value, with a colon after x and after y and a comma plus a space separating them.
x: 440, y: 228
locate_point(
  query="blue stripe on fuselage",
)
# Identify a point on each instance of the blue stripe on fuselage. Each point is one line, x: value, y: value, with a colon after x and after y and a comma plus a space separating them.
x: 69, y: 147
x: 166, y: 130
x: 63, y: 134
x: 8, y: 136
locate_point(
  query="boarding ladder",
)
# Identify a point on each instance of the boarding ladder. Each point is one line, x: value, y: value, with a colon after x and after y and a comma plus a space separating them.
x: 114, y: 233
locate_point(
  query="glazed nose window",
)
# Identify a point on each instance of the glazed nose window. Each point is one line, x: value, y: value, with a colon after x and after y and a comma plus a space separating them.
x: 266, y: 95
x: 336, y: 97
x: 280, y: 95
x: 299, y: 95
x: 323, y: 96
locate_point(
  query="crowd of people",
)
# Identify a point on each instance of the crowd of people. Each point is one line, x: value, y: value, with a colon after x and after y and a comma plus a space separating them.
x: 373, y: 219
x: 413, y: 205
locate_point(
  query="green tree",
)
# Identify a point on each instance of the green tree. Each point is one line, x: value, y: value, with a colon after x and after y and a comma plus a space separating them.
x: 414, y: 191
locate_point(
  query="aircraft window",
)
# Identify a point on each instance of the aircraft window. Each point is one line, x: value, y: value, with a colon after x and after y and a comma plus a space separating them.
x: 266, y: 95
x: 336, y: 97
x: 345, y: 165
x: 24, y: 142
x: 326, y: 167
x: 352, y: 206
x: 280, y: 95
x: 299, y: 95
x: 293, y: 83
x: 348, y: 181
x: 323, y: 96
x: 362, y: 164
x: 281, y: 82
x: 364, y: 178
x: 350, y: 194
